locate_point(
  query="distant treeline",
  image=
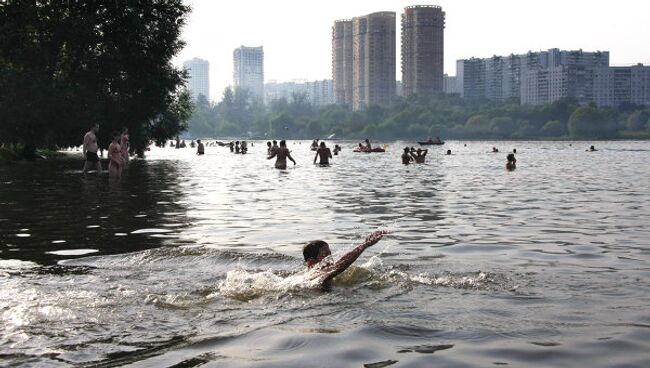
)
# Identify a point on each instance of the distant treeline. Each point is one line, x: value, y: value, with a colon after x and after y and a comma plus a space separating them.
x: 447, y: 116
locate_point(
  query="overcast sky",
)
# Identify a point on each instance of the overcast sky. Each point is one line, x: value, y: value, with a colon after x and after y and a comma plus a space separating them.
x: 296, y: 34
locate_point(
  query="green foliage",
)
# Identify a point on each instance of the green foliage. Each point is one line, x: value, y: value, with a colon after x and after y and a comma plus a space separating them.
x: 553, y: 128
x: 591, y: 122
x: 65, y: 66
x: 637, y: 120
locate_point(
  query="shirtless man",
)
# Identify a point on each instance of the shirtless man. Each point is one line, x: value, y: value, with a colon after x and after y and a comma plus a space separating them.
x: 200, y: 148
x: 419, y: 155
x: 512, y: 162
x: 324, y: 153
x: 316, y: 251
x: 90, y: 150
x: 406, y: 156
x: 282, y: 154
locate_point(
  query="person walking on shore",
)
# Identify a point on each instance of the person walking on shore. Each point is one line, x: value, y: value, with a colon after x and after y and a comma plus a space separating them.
x: 90, y: 148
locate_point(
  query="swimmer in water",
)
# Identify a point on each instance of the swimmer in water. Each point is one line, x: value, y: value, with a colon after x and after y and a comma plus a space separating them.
x: 406, y: 156
x: 419, y: 155
x: 512, y: 162
x: 282, y: 154
x: 200, y: 148
x: 592, y: 149
x: 448, y: 152
x: 316, y: 251
x: 324, y: 153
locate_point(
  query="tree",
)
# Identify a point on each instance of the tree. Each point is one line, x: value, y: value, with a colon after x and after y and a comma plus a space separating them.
x: 637, y: 120
x: 65, y: 66
x: 591, y: 122
x: 553, y: 128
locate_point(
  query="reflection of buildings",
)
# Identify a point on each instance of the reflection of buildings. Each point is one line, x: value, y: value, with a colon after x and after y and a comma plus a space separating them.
x: 249, y: 69
x: 423, y: 50
x: 363, y: 60
x: 543, y: 77
x: 198, y: 81
x: 319, y: 93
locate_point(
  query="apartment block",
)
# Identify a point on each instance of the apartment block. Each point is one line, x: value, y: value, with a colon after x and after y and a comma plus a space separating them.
x: 342, y: 62
x: 198, y: 81
x: 248, y: 71
x: 422, y: 50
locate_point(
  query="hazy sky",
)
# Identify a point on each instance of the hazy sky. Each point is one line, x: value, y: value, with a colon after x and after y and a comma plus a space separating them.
x: 296, y: 34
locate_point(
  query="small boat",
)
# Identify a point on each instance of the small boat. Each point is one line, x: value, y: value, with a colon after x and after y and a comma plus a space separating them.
x: 434, y: 143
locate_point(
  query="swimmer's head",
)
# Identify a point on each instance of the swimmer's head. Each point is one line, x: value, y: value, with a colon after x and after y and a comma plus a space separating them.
x: 449, y: 152
x: 268, y: 144
x: 283, y: 143
x: 322, y: 144
x: 116, y: 135
x: 315, y: 251
x: 275, y: 143
x: 511, y: 158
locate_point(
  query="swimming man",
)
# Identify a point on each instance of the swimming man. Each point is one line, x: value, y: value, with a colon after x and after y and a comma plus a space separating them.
x: 282, y: 153
x: 324, y: 153
x: 316, y: 251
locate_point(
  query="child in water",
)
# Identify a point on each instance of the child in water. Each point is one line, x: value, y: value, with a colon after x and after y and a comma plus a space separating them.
x: 316, y: 255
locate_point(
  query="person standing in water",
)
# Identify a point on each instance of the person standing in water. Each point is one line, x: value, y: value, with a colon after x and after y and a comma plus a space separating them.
x: 115, y: 157
x: 90, y: 148
x: 282, y: 153
x: 406, y: 156
x: 200, y: 148
x: 512, y: 162
x: 317, y: 252
x: 124, y: 144
x: 324, y: 153
x: 419, y: 155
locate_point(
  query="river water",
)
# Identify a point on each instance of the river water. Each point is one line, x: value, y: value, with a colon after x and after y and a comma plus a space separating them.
x: 196, y: 260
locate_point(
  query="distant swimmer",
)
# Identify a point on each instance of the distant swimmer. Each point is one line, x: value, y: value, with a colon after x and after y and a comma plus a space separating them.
x: 243, y: 147
x: 514, y: 150
x: 592, y: 149
x: 115, y: 159
x: 274, y: 148
x: 192, y: 144
x: 368, y: 147
x: 406, y: 156
x: 448, y: 152
x: 200, y: 149
x: 324, y: 153
x: 419, y: 155
x: 268, y: 148
x: 337, y: 149
x: 237, y: 147
x: 512, y: 162
x: 317, y: 255
x: 90, y: 148
x: 495, y: 150
x: 282, y: 153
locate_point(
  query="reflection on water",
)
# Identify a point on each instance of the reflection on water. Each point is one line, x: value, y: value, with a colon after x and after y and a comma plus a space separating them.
x: 197, y: 260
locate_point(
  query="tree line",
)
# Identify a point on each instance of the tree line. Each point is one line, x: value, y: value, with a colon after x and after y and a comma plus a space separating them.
x: 447, y: 116
x: 65, y: 65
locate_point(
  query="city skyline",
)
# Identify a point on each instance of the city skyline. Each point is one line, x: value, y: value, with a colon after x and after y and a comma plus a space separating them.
x: 298, y: 45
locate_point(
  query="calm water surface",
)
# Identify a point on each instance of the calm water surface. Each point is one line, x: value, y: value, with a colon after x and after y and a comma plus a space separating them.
x: 196, y: 261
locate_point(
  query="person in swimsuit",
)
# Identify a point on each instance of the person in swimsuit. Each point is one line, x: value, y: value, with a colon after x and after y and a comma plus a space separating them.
x: 124, y: 144
x: 324, y: 153
x: 448, y: 152
x: 406, y: 156
x: 512, y: 162
x: 337, y: 149
x: 282, y: 153
x: 200, y: 148
x: 115, y: 157
x: 90, y: 148
x: 419, y: 155
x: 268, y: 148
x: 317, y: 252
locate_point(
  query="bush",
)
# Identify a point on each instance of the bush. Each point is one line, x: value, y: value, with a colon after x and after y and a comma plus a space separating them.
x: 553, y: 128
x: 590, y: 122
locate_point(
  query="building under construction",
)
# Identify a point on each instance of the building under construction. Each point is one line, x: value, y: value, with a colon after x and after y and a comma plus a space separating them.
x: 363, y: 60
x: 423, y: 50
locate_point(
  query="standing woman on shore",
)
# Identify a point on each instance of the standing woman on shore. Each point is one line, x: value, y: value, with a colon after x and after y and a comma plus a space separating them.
x: 115, y: 159
x: 124, y: 145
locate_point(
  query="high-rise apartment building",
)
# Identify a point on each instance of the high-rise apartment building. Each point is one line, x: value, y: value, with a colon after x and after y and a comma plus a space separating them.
x: 319, y: 93
x: 342, y: 62
x: 423, y: 50
x: 249, y: 70
x: 373, y: 59
x: 198, y: 81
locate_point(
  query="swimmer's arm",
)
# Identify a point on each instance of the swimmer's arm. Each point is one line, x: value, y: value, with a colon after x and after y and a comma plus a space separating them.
x: 291, y: 158
x: 85, y: 144
x: 329, y: 153
x: 345, y: 261
x: 315, y: 157
x: 273, y: 154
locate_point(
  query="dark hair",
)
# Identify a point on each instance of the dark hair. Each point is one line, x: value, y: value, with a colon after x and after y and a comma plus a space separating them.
x: 449, y: 152
x: 275, y: 142
x: 511, y: 157
x: 268, y: 143
x: 322, y: 144
x: 283, y: 143
x: 115, y: 134
x: 406, y: 149
x: 311, y: 249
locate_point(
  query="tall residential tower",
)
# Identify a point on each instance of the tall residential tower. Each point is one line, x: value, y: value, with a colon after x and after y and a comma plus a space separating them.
x: 423, y: 50
x: 342, y: 61
x: 373, y: 59
x: 249, y: 70
x: 198, y: 81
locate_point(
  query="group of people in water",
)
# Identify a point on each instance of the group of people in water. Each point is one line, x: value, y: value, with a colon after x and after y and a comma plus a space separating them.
x: 118, y: 152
